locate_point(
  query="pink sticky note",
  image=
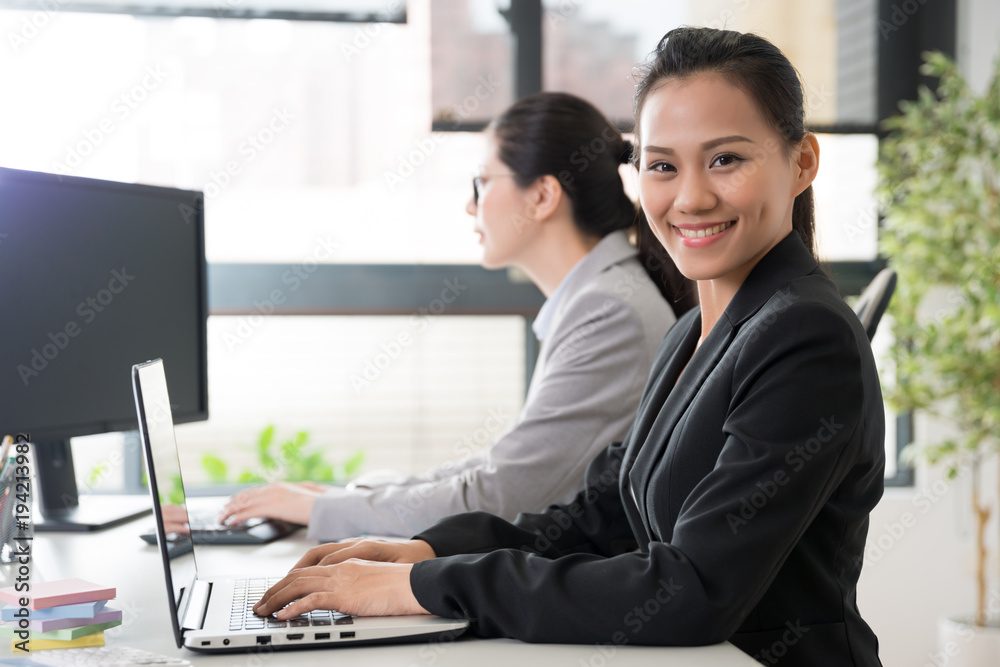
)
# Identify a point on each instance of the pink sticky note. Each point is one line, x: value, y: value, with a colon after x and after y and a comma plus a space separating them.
x: 56, y: 593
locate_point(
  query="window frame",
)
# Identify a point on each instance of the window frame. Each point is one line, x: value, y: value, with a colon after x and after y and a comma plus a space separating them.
x: 402, y: 289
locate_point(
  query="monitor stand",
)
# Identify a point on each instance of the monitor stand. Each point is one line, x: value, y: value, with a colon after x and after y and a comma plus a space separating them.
x: 60, y: 506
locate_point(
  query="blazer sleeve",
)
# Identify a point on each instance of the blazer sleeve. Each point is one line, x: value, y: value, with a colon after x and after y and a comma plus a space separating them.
x: 594, y: 522
x: 585, y: 398
x: 795, y: 381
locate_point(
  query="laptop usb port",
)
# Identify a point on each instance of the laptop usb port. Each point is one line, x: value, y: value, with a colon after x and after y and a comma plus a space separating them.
x: 263, y: 639
x: 322, y: 635
x: 296, y: 636
x: 207, y: 643
x: 347, y: 635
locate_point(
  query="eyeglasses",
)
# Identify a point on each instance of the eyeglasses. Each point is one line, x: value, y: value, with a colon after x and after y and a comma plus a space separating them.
x: 477, y: 185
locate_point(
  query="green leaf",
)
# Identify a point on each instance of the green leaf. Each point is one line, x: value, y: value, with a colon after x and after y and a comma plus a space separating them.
x: 97, y: 473
x: 176, y: 494
x: 354, y: 462
x: 264, y: 441
x: 215, y: 467
x: 247, y: 477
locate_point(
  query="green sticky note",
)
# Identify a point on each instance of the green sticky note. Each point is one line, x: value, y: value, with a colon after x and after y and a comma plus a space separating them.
x: 66, y: 634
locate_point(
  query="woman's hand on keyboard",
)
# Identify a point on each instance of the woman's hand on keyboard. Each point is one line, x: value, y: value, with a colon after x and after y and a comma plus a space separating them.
x: 356, y: 587
x: 409, y: 551
x: 286, y: 501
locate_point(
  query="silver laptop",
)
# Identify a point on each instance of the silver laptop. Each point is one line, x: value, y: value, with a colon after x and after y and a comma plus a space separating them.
x: 215, y: 615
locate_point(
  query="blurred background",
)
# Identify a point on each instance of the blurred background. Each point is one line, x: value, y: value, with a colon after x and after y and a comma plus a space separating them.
x: 335, y: 142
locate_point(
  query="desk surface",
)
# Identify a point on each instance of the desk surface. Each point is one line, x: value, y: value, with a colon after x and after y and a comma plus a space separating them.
x: 117, y: 557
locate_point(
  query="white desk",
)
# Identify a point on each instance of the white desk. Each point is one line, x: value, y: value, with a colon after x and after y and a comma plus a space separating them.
x: 117, y: 557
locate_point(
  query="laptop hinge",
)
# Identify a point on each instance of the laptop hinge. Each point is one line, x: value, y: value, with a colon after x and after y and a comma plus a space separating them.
x: 197, y: 605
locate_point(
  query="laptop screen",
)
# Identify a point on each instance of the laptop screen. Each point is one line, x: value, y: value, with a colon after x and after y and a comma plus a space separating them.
x: 164, y: 472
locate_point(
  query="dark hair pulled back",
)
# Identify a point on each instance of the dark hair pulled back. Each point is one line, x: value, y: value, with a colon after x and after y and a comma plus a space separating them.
x: 565, y: 136
x: 755, y: 66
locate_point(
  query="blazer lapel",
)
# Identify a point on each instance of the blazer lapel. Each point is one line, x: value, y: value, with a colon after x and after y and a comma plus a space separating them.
x: 677, y: 386
x: 668, y: 395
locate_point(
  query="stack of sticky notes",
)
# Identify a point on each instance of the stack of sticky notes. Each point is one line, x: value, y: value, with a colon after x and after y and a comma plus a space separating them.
x: 59, y: 614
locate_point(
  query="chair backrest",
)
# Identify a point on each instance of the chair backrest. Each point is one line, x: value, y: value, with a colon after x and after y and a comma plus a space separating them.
x: 875, y: 299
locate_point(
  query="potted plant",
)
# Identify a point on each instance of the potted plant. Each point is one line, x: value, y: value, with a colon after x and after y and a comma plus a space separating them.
x: 290, y: 461
x: 939, y: 187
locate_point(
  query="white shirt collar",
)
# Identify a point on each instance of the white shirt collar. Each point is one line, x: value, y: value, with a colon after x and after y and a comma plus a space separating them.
x: 548, y: 310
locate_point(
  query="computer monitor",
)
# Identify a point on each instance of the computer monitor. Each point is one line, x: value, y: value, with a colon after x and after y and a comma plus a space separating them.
x: 95, y: 276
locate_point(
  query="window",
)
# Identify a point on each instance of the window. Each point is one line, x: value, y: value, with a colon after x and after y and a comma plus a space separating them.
x: 312, y: 143
x: 346, y: 145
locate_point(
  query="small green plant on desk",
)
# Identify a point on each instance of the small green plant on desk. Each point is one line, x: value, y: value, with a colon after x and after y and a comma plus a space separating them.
x: 293, y: 460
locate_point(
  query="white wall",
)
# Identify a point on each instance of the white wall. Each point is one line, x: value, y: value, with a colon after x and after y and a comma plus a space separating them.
x: 978, y: 38
x: 919, y: 571
x: 918, y: 563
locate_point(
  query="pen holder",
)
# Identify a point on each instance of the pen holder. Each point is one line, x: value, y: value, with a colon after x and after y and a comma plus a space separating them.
x: 9, y: 528
x: 8, y: 523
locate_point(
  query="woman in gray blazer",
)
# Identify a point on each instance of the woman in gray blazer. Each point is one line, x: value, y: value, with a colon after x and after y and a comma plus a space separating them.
x: 550, y: 201
x: 737, y: 506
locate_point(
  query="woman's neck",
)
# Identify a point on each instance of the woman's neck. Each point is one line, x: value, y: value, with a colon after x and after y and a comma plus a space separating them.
x: 714, y: 297
x: 553, y: 256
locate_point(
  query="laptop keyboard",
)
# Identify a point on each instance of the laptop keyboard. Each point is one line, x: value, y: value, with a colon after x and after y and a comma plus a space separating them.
x: 246, y: 593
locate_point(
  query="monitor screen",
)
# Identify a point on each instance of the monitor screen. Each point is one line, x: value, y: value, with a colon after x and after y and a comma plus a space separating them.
x: 95, y: 276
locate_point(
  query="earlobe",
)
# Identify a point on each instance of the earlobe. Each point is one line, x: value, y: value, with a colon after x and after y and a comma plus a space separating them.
x: 806, y: 162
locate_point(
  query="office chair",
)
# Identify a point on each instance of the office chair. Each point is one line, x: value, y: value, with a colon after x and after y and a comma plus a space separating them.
x: 874, y: 299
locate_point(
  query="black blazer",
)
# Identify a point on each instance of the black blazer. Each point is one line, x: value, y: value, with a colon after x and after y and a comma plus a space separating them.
x: 736, y: 508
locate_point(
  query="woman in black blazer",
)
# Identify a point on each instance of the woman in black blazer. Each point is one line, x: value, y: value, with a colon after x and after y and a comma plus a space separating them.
x: 737, y: 506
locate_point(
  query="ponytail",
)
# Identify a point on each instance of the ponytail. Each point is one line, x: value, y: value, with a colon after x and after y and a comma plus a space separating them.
x: 563, y: 135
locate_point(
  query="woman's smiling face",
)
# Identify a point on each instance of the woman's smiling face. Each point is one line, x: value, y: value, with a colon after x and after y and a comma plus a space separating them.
x: 716, y: 181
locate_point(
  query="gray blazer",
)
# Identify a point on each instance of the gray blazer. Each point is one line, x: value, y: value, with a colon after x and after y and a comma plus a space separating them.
x: 603, y: 337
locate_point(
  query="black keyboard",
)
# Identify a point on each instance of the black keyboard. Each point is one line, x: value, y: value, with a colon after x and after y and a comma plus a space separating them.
x: 205, y: 529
